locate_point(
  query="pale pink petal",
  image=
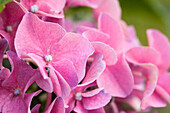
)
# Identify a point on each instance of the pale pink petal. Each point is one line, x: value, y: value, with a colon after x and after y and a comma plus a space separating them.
x: 117, y: 80
x: 113, y: 28
x: 92, y: 92
x: 163, y: 93
x: 143, y: 55
x: 153, y: 101
x: 160, y: 42
x: 110, y: 7
x: 94, y: 35
x: 109, y: 55
x: 75, y: 48
x: 30, y: 38
x: 97, y: 101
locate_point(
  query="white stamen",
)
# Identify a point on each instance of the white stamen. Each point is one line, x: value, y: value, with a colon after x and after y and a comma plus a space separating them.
x: 9, y: 28
x: 17, y: 91
x: 78, y: 96
x: 34, y: 8
x: 48, y: 58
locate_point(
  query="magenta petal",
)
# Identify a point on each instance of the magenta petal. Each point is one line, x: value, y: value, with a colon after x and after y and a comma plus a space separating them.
x: 160, y: 42
x: 30, y: 38
x: 113, y: 28
x: 95, y: 70
x: 3, y: 46
x: 15, y: 105
x: 4, y: 74
x: 5, y: 96
x: 36, y: 108
x: 57, y: 106
x: 110, y: 7
x: 67, y: 71
x: 75, y: 48
x: 109, y: 55
x: 117, y: 80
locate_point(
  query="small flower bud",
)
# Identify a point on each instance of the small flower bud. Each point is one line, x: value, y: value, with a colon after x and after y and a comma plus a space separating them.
x: 78, y: 96
x: 34, y: 8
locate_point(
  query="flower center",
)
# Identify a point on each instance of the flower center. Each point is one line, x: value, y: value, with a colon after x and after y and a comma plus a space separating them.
x: 9, y: 28
x: 34, y: 8
x: 17, y: 92
x: 78, y: 96
x: 48, y: 58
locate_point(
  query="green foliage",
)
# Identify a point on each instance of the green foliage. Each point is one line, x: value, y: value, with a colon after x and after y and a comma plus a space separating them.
x: 2, y: 4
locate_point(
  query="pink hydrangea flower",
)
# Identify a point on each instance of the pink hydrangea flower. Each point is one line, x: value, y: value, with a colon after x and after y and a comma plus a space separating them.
x: 65, y: 54
x: 13, y: 98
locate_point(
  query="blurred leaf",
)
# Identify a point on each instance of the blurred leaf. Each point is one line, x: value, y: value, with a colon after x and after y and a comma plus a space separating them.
x: 2, y: 4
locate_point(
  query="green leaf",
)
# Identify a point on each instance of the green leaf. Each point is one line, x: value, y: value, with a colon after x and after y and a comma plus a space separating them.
x: 2, y: 4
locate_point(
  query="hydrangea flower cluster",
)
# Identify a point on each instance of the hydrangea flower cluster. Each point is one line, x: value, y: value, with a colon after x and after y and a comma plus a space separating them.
x: 88, y: 68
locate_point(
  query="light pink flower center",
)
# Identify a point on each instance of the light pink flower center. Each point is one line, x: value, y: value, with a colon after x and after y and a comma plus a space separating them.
x: 78, y: 96
x: 34, y: 8
x: 17, y: 92
x: 9, y: 28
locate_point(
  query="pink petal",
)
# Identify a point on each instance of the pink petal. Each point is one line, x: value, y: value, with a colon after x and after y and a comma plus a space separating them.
x: 160, y: 42
x: 110, y: 7
x: 95, y: 70
x: 111, y: 27
x: 143, y: 55
x: 109, y: 55
x: 97, y: 101
x: 75, y: 48
x: 57, y: 106
x: 153, y: 101
x: 30, y: 38
x: 117, y: 80
x: 94, y: 35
